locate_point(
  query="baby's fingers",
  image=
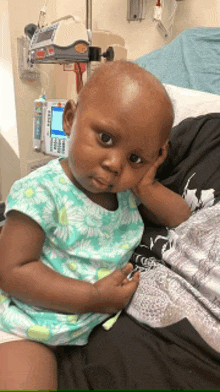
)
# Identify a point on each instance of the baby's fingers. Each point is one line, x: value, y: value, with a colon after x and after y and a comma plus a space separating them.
x: 121, y: 275
x: 130, y: 286
x: 165, y: 149
x: 135, y: 277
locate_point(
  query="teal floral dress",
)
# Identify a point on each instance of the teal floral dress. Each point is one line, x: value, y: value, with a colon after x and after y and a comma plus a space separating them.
x: 82, y: 241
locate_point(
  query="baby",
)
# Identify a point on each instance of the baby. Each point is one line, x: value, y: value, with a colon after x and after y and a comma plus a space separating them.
x: 72, y: 225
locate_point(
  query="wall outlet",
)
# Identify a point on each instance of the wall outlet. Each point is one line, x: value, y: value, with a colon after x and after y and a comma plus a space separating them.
x: 136, y: 10
x: 26, y: 70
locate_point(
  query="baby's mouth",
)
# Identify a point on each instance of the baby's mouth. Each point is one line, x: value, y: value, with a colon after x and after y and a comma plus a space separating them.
x: 101, y: 184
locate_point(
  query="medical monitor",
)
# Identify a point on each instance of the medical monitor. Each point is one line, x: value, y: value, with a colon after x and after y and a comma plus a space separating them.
x: 49, y: 136
x: 56, y: 123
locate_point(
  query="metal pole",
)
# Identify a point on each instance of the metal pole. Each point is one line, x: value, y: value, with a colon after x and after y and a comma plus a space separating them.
x: 89, y: 14
x: 89, y: 27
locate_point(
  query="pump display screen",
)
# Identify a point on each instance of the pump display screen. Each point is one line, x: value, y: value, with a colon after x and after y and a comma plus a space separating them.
x: 56, y: 129
x: 45, y: 35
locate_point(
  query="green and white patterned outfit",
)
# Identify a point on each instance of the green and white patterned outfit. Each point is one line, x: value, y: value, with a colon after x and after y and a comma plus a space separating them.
x: 82, y: 240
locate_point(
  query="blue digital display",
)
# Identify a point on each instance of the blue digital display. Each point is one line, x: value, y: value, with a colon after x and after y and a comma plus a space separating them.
x: 56, y: 129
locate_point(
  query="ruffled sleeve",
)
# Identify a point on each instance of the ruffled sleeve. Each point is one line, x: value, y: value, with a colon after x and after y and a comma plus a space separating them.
x: 32, y: 196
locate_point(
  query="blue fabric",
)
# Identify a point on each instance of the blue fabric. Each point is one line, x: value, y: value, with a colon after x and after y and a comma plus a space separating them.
x: 191, y: 60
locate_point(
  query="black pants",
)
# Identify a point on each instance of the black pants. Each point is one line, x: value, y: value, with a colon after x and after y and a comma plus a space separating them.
x: 133, y: 356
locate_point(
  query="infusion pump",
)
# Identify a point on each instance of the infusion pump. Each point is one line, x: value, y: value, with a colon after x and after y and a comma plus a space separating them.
x: 49, y: 136
x: 64, y: 41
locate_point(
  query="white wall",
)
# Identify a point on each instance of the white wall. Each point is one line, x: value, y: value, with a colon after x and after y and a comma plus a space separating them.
x: 143, y: 37
x: 8, y: 123
x: 111, y: 15
x: 20, y: 14
x: 191, y: 13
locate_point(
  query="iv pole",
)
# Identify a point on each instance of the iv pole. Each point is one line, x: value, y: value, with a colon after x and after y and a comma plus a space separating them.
x: 89, y: 29
x: 61, y: 54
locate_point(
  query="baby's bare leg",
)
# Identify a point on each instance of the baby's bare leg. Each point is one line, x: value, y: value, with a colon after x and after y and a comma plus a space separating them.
x: 27, y: 365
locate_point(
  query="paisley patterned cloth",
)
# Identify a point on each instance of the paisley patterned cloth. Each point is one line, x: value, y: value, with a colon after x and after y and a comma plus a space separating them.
x: 181, y: 267
x: 82, y: 241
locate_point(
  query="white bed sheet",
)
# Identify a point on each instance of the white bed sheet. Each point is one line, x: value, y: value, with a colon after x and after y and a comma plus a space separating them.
x: 191, y: 103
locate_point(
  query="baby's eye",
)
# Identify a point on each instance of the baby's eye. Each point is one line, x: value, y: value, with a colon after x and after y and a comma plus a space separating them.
x: 105, y: 138
x: 135, y: 158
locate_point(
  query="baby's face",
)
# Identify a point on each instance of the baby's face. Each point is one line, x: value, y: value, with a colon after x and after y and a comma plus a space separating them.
x: 113, y: 144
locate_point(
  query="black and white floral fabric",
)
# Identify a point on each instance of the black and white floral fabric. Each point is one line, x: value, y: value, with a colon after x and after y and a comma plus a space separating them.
x: 180, y: 268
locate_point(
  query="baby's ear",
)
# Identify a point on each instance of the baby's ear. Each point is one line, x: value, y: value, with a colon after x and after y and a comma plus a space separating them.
x: 68, y: 116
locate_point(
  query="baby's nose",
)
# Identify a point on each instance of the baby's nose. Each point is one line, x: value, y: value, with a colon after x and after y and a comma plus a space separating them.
x: 113, y: 162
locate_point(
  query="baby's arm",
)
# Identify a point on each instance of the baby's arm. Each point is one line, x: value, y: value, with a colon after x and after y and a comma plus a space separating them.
x: 159, y: 204
x: 25, y: 277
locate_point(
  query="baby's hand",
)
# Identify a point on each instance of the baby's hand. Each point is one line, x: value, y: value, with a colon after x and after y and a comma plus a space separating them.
x: 149, y: 177
x: 115, y: 290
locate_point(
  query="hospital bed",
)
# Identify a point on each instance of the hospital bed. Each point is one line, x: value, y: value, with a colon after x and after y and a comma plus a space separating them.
x: 191, y: 60
x: 190, y: 69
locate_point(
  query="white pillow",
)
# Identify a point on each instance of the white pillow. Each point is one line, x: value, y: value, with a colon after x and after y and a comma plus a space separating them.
x: 191, y: 103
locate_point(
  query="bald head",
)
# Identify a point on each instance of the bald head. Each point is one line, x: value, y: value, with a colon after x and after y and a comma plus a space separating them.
x: 129, y: 86
x: 130, y: 76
